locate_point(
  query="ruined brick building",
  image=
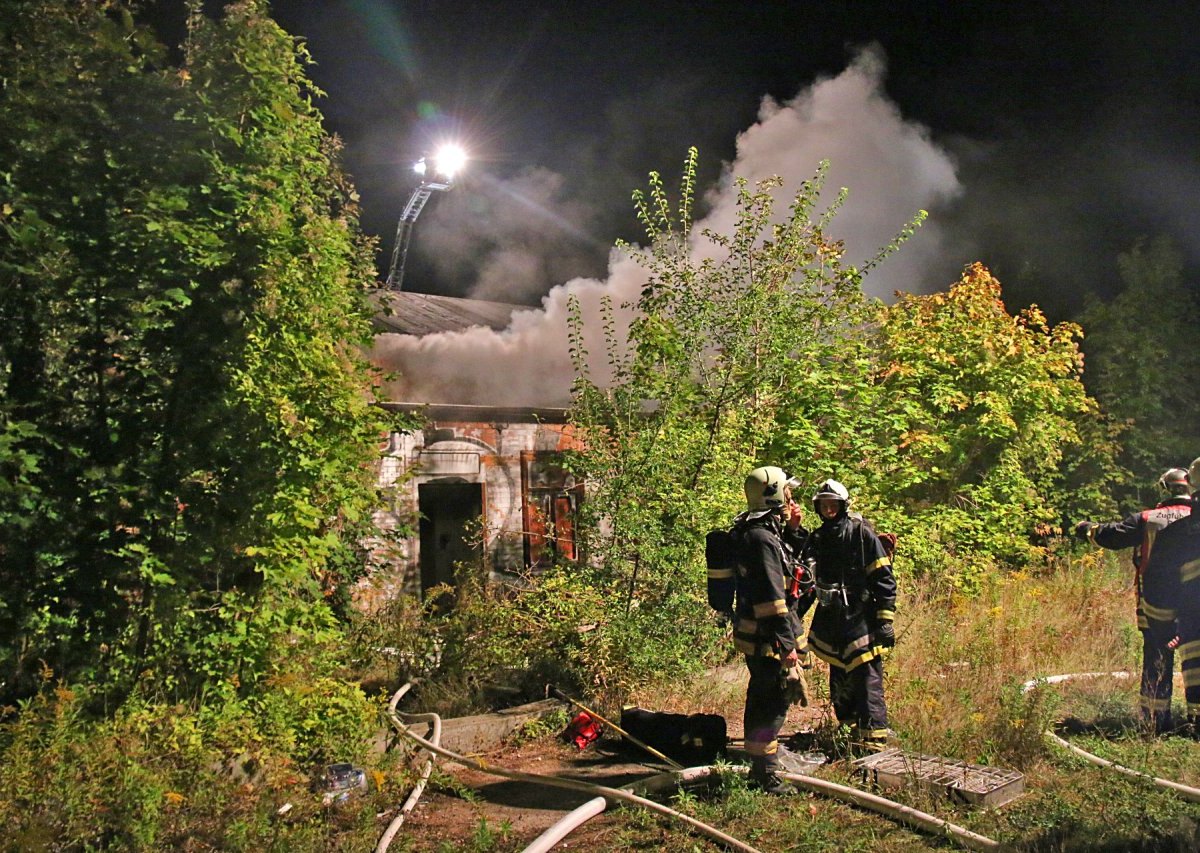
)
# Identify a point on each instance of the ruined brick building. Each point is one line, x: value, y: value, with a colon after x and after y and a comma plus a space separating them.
x: 482, y: 484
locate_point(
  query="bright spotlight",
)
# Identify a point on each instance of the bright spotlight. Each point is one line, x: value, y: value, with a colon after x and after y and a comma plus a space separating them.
x: 449, y: 160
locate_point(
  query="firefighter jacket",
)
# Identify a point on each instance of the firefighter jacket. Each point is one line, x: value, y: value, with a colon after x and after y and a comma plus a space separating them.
x: 1171, y: 580
x: 1139, y: 531
x: 766, y: 622
x: 855, y: 591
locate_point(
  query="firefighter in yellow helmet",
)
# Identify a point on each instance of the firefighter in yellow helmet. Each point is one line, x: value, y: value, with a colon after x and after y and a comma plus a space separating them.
x: 856, y: 603
x: 766, y: 627
x: 1139, y: 531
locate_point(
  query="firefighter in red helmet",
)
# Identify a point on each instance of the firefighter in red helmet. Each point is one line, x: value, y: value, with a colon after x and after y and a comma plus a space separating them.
x: 1171, y: 585
x: 1139, y: 532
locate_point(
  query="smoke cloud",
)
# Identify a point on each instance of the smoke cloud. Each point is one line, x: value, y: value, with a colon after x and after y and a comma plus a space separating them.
x: 511, y: 236
x: 891, y: 167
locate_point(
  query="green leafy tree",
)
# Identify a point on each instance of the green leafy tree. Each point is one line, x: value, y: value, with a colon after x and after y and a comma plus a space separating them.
x: 186, y: 430
x: 980, y: 419
x: 955, y: 424
x: 1141, y: 361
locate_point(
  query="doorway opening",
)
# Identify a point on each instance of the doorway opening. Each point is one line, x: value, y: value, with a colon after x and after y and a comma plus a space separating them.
x: 450, y: 535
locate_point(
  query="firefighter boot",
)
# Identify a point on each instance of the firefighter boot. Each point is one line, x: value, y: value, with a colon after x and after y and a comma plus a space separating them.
x: 764, y: 775
x: 1191, y: 728
x: 867, y: 741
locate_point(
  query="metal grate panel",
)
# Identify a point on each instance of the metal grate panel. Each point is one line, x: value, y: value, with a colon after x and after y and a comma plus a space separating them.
x: 976, y: 784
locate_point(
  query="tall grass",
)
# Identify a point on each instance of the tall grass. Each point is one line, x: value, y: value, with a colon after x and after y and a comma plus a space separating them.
x: 954, y: 682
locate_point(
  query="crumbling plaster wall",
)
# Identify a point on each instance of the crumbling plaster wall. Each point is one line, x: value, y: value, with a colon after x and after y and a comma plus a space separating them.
x: 456, y: 451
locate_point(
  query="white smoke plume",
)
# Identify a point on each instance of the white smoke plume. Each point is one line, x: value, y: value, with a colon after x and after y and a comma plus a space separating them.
x: 511, y: 236
x: 891, y: 167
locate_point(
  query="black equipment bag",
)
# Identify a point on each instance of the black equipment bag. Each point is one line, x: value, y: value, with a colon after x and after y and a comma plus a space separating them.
x: 692, y: 740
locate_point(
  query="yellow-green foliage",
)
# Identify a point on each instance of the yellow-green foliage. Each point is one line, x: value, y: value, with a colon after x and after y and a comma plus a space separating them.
x: 989, y: 405
x: 153, y: 776
x: 960, y: 426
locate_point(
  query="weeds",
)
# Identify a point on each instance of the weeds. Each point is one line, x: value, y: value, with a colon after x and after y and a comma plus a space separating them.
x: 157, y: 776
x: 548, y: 725
x: 955, y: 684
x: 154, y: 776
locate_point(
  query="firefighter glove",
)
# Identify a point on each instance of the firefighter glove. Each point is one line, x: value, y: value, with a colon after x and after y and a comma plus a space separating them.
x: 795, y: 685
x: 885, y: 635
x: 1083, y: 529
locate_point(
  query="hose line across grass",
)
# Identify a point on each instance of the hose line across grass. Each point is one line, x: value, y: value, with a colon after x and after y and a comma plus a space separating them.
x: 560, y: 830
x: 1186, y: 791
x: 585, y: 812
x: 574, y: 819
x: 874, y: 802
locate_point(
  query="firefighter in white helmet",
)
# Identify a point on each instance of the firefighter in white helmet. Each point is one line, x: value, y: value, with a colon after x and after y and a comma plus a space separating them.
x: 1139, y: 531
x: 856, y: 604
x: 766, y: 627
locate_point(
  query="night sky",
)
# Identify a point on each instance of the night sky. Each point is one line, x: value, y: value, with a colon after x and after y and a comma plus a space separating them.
x: 1044, y: 137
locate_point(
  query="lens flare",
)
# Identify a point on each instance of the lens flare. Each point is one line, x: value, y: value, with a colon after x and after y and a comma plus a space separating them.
x: 449, y: 160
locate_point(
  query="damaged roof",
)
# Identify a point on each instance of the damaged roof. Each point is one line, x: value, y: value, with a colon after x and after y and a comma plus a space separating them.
x: 407, y: 313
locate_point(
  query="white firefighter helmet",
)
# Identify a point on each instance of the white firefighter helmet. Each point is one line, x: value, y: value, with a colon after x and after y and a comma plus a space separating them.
x: 1174, y: 481
x: 765, y: 488
x: 832, y: 490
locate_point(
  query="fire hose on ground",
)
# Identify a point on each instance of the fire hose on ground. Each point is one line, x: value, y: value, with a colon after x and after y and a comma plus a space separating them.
x: 605, y: 794
x: 903, y: 813
x: 1186, y: 791
x: 596, y: 806
x: 435, y: 736
x: 617, y: 794
x: 888, y: 808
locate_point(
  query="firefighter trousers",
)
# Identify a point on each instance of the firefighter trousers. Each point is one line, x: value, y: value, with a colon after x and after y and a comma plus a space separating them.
x: 1189, y: 656
x: 766, y: 711
x: 1158, y: 666
x: 857, y: 697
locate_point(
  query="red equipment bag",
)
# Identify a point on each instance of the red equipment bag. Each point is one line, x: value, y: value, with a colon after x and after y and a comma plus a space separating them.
x: 583, y: 730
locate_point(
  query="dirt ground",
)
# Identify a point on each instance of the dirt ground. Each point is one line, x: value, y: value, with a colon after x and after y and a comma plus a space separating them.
x: 514, y: 813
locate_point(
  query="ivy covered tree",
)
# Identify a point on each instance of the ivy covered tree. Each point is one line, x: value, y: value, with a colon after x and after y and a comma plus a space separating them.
x: 1141, y: 358
x: 186, y: 429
